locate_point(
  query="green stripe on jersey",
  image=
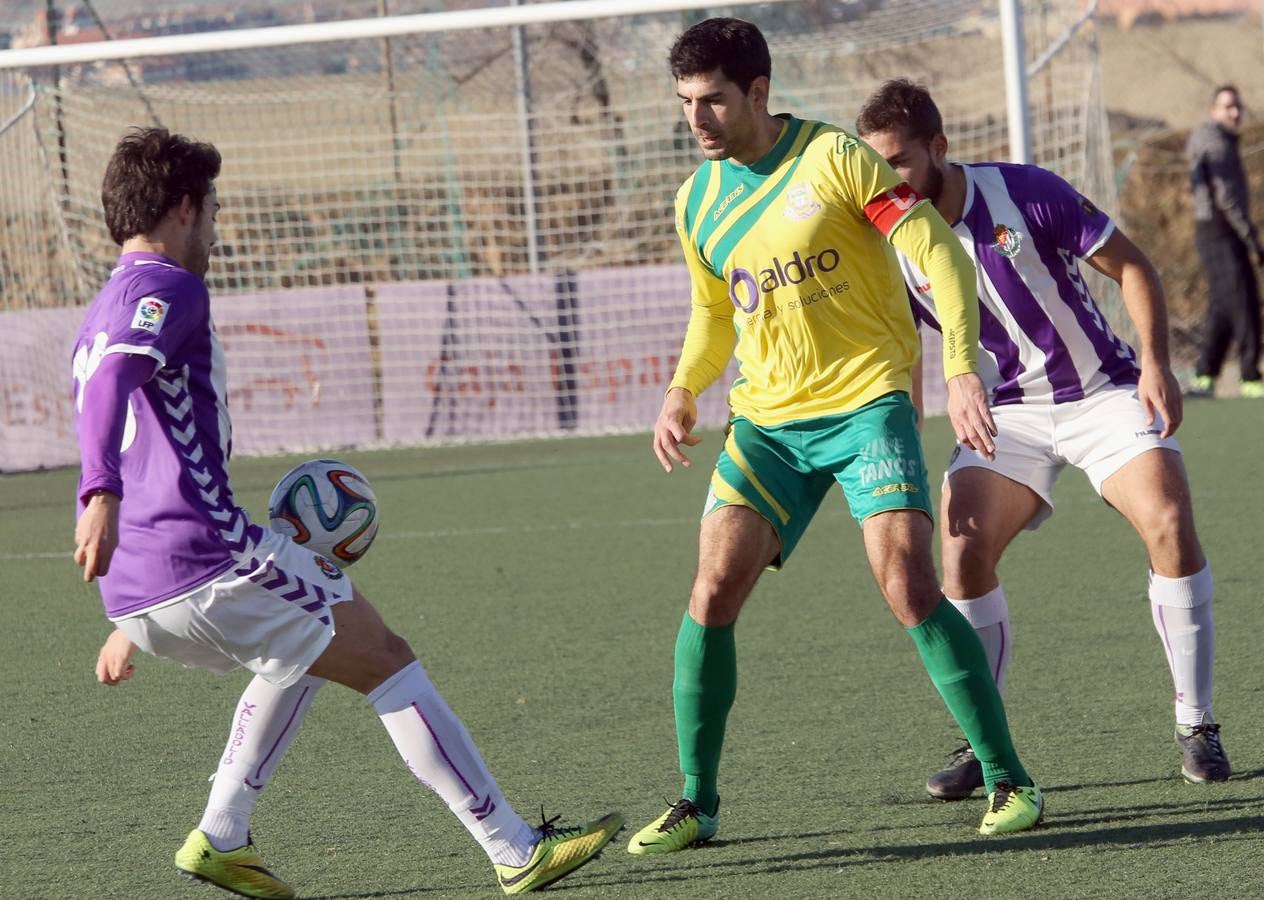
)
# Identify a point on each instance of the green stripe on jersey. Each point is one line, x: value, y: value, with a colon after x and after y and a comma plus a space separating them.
x: 697, y: 188
x: 777, y: 155
x: 721, y: 188
x: 709, y: 176
x: 732, y: 188
x: 743, y: 225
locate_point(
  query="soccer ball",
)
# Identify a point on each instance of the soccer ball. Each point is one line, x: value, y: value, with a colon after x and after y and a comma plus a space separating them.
x: 328, y: 507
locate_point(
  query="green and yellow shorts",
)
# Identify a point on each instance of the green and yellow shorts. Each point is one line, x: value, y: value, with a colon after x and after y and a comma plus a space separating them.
x: 784, y: 472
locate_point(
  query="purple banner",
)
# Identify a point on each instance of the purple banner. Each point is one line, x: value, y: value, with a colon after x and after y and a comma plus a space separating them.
x: 300, y: 371
x: 533, y: 355
x: 473, y: 359
x: 36, y: 425
x: 632, y: 323
x: 476, y: 359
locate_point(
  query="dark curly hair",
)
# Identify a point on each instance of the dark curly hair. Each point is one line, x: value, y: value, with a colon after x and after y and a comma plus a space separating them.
x: 151, y: 171
x: 735, y: 47
x: 901, y: 104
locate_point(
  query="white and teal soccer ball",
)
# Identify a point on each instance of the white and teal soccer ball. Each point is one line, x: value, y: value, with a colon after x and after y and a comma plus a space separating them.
x: 328, y: 507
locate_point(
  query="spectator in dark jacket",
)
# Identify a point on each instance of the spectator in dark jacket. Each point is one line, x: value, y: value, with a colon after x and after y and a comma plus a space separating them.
x: 1227, y: 244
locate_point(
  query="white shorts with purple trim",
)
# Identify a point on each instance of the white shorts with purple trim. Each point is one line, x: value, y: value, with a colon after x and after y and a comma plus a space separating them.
x: 1034, y: 442
x: 270, y: 614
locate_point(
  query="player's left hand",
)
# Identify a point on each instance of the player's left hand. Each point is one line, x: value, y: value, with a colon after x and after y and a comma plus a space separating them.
x: 114, y: 661
x: 96, y: 534
x: 969, y: 414
x: 1159, y: 391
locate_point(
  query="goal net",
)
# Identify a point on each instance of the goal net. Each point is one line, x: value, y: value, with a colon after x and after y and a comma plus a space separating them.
x: 466, y: 234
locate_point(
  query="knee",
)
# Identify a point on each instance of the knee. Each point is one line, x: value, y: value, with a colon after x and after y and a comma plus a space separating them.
x: 907, y: 580
x: 1165, y: 526
x: 969, y: 568
x: 717, y: 597
x: 396, y: 651
x: 911, y: 594
x: 1171, y: 541
x: 393, y: 655
x: 899, y: 589
x: 382, y: 659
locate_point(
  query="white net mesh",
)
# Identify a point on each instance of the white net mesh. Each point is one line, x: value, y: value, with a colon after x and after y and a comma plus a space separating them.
x: 396, y: 267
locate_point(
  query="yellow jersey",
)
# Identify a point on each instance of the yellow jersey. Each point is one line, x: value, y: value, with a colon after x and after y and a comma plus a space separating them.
x: 790, y: 264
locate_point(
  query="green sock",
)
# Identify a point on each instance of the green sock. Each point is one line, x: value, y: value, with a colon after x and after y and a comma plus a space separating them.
x: 704, y: 688
x: 954, y: 657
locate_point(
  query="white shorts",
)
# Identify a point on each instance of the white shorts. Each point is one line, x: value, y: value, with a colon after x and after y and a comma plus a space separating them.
x: 271, y: 615
x: 1098, y: 434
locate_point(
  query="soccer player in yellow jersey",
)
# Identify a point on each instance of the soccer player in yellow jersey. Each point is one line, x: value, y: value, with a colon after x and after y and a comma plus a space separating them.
x: 785, y: 228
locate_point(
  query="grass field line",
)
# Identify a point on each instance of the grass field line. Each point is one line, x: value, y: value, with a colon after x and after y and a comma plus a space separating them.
x: 437, y: 534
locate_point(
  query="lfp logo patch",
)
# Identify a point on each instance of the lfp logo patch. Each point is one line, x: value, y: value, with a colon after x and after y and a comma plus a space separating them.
x: 151, y: 312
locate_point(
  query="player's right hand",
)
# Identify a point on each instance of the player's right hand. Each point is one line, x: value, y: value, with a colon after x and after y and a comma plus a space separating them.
x: 969, y: 414
x: 675, y: 422
x: 113, y: 662
x: 96, y: 534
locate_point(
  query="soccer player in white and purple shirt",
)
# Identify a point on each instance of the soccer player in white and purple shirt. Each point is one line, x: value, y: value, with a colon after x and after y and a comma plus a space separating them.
x: 184, y: 573
x: 1065, y: 390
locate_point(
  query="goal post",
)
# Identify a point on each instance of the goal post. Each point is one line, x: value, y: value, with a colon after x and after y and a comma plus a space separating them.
x: 457, y: 226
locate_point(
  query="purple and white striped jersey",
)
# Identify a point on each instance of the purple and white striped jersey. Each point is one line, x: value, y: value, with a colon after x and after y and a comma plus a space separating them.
x: 178, y: 524
x: 1045, y: 338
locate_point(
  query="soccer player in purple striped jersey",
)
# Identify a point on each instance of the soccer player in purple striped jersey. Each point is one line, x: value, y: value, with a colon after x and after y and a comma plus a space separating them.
x: 1064, y: 390
x: 184, y: 573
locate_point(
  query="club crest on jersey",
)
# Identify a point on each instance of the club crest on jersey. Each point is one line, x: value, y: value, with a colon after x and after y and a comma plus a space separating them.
x: 1009, y: 241
x: 330, y: 570
x: 151, y: 312
x: 801, y: 203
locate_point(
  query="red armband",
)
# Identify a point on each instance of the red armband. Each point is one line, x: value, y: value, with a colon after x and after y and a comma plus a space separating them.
x: 886, y: 210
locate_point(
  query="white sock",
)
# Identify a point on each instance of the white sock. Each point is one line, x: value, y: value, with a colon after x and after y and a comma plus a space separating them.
x: 989, y: 617
x: 264, y: 723
x: 1182, y: 616
x: 441, y: 755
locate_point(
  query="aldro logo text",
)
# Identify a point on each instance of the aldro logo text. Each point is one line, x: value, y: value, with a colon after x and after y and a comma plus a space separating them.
x: 746, y: 287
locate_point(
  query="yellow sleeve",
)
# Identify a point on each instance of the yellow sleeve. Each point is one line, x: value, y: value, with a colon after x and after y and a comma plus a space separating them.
x: 914, y: 227
x: 859, y: 175
x: 711, y: 335
x: 925, y: 238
